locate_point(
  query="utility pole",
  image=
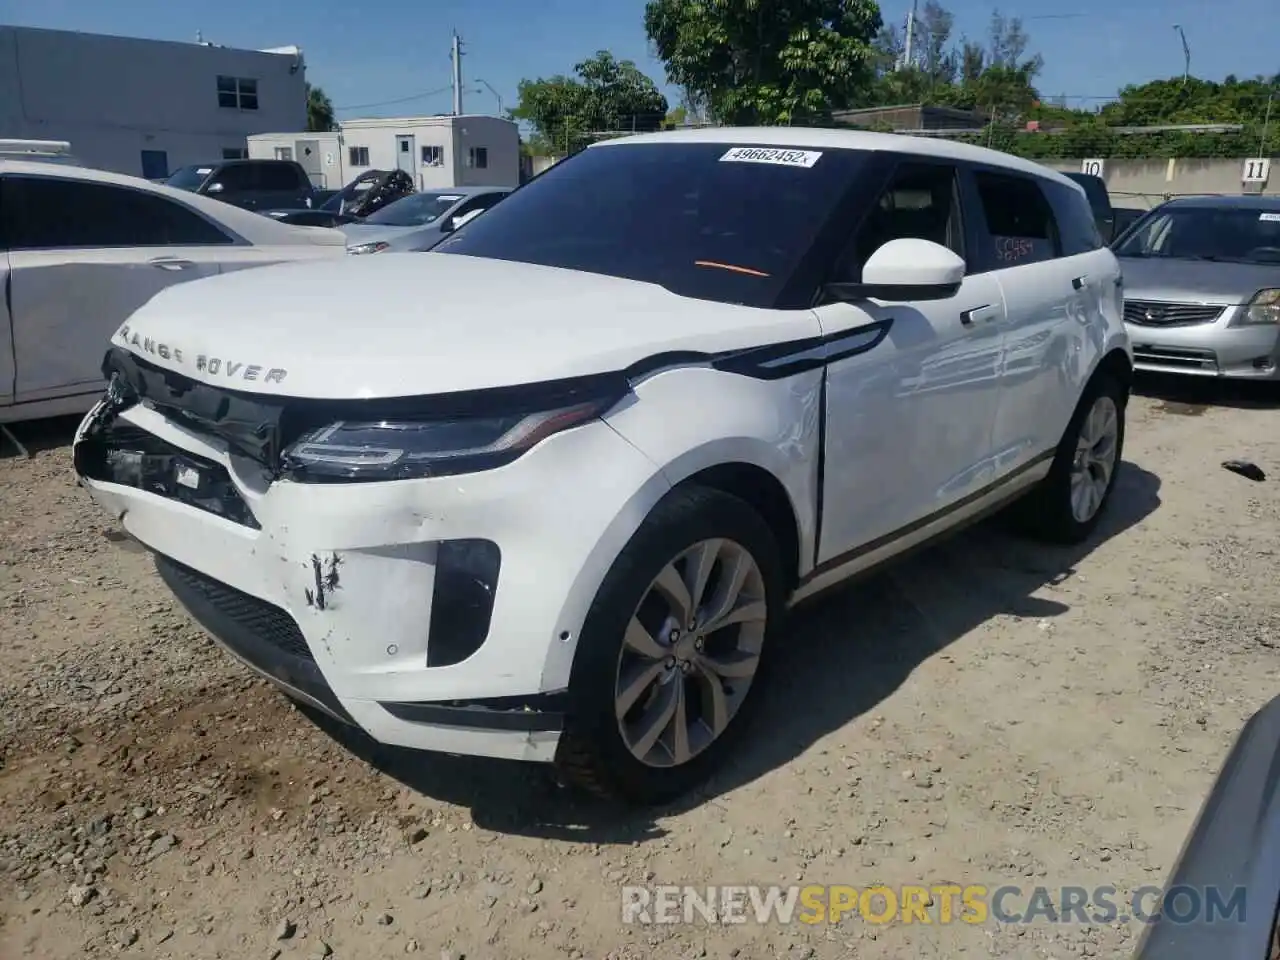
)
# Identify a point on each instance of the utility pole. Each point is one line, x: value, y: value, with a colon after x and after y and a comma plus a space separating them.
x: 456, y: 55
x: 911, y: 34
x: 1186, y: 54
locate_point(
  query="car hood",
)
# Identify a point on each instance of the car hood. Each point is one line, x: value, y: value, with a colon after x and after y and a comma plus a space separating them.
x: 1195, y: 281
x: 372, y: 232
x: 413, y: 324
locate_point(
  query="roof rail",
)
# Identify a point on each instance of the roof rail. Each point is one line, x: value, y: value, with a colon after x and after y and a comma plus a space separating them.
x: 55, y: 151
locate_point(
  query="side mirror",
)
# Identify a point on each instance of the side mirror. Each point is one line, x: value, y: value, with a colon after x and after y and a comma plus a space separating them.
x: 904, y: 270
x: 214, y: 188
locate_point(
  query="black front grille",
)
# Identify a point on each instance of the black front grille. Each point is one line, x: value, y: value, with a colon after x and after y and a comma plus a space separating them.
x: 234, y: 611
x: 122, y: 453
x: 1158, y: 313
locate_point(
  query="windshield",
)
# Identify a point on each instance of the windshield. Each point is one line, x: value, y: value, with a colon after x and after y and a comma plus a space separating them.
x: 189, y: 178
x: 705, y: 220
x: 416, y: 210
x: 1236, y: 234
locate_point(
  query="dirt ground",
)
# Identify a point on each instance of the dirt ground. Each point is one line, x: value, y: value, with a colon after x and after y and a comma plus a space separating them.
x: 991, y: 712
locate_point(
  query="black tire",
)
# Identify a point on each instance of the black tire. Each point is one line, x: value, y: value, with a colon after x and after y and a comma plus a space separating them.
x: 592, y: 754
x: 1045, y: 513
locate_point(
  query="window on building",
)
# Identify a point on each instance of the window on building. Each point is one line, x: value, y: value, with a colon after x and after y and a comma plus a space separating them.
x: 284, y: 153
x: 237, y: 93
x: 358, y: 156
x: 433, y: 156
x: 48, y: 213
x: 235, y: 153
x: 478, y: 157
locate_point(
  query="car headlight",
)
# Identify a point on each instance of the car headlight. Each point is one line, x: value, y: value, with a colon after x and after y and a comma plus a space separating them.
x: 1263, y: 308
x: 409, y: 449
x: 373, y: 246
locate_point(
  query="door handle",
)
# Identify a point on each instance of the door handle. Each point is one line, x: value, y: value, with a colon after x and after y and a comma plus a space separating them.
x: 968, y: 316
x: 1079, y: 282
x: 171, y: 263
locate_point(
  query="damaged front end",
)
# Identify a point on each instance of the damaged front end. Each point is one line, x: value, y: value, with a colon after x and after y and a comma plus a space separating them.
x: 110, y: 449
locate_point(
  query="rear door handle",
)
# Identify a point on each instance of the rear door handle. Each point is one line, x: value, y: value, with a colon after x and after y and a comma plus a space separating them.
x: 967, y: 317
x: 1079, y: 282
x: 171, y: 263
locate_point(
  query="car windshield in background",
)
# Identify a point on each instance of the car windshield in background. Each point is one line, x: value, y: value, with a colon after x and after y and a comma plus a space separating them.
x: 708, y: 220
x: 189, y: 178
x: 416, y: 210
x: 1235, y: 234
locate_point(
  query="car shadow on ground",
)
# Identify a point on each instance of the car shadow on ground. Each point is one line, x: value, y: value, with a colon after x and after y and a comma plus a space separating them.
x: 1192, y: 396
x: 846, y: 654
x: 38, y: 436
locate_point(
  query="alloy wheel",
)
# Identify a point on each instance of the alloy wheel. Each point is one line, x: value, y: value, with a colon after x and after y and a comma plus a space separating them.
x: 1095, y: 459
x: 691, y: 651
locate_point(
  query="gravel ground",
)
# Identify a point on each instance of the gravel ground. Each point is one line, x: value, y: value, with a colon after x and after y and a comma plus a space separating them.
x: 990, y: 712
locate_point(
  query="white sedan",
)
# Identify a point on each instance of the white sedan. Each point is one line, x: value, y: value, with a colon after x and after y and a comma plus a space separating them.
x: 83, y: 249
x: 547, y: 491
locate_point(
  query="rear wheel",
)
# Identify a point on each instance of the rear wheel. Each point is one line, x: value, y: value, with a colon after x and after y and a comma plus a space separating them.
x: 1067, y: 505
x: 673, y: 650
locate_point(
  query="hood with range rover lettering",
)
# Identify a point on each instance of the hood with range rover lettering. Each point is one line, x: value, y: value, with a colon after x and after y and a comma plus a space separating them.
x: 417, y: 324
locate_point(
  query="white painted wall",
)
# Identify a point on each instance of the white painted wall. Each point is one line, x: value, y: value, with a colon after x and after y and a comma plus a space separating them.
x: 113, y: 97
x: 452, y: 140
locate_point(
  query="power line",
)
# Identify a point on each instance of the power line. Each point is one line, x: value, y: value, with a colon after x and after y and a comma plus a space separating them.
x: 388, y: 103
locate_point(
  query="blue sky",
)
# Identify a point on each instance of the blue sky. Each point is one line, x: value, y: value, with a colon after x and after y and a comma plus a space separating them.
x: 398, y: 49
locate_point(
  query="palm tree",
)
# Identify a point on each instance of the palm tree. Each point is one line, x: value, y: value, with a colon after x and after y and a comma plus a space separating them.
x: 319, y: 110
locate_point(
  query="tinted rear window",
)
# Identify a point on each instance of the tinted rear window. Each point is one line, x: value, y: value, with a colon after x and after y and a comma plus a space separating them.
x: 676, y: 214
x: 1096, y: 191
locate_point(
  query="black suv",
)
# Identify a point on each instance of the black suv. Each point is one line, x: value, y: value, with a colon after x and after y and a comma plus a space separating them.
x: 252, y: 184
x: 1104, y: 215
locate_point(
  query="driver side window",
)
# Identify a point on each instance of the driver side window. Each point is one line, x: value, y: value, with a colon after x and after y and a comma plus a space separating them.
x: 921, y: 202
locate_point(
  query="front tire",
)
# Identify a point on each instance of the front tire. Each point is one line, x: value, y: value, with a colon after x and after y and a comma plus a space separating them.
x: 1067, y: 505
x: 673, y: 650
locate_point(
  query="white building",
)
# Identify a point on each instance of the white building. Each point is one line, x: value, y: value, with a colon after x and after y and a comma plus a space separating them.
x: 145, y: 107
x: 438, y: 152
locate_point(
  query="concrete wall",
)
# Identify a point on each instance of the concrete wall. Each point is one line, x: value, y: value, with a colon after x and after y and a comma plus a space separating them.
x: 455, y: 137
x: 114, y: 97
x: 1141, y: 184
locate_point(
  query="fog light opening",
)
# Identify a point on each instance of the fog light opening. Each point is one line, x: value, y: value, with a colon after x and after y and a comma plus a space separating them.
x: 462, y: 601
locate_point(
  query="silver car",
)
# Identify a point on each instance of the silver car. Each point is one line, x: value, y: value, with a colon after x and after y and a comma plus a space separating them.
x: 1202, y: 287
x: 420, y: 220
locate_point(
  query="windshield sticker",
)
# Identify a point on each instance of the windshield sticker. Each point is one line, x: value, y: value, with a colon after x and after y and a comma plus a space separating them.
x: 448, y: 199
x: 204, y: 171
x: 1270, y: 217
x: 786, y: 158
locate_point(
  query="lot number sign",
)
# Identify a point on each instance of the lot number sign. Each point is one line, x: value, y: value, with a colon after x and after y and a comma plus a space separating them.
x: 1256, y: 170
x: 1093, y: 167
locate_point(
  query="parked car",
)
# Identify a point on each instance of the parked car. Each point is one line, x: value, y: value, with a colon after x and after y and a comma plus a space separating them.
x: 1104, y: 215
x: 420, y: 221
x: 550, y: 489
x: 1202, y: 287
x: 1125, y: 217
x: 368, y: 193
x: 252, y: 184
x: 311, y: 218
x: 1234, y: 846
x: 82, y: 249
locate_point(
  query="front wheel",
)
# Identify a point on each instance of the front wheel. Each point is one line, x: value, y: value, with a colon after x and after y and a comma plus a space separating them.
x: 672, y: 650
x: 1067, y: 505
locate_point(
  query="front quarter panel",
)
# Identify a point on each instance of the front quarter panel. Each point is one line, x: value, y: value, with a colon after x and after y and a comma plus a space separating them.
x: 689, y: 419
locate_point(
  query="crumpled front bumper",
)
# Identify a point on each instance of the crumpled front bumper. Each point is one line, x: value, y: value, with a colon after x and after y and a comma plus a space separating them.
x: 329, y: 589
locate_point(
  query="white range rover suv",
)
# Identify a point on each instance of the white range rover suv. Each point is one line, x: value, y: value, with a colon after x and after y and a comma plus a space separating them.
x: 547, y: 492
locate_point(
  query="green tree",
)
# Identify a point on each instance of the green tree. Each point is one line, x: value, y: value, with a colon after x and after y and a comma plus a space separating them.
x: 767, y: 61
x: 604, y: 96
x: 319, y: 110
